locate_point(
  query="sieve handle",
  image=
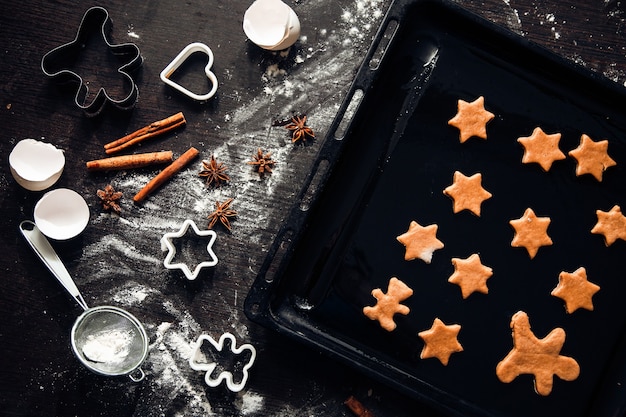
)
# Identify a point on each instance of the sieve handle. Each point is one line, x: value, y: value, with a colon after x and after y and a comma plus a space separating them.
x: 137, y: 375
x: 49, y: 257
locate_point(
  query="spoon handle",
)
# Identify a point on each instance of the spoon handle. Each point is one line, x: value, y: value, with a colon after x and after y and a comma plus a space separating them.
x: 46, y: 253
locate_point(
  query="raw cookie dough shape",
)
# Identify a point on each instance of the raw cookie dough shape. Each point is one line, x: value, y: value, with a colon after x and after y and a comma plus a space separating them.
x: 420, y: 242
x: 471, y: 119
x: 467, y: 193
x: 538, y: 357
x: 471, y: 275
x: 197, y: 361
x: 389, y: 304
x: 541, y: 148
x: 611, y: 224
x: 531, y: 232
x: 575, y: 290
x: 168, y: 245
x: 592, y: 157
x: 440, y: 341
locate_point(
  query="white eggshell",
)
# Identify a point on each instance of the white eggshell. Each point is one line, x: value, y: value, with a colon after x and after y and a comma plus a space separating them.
x: 36, y: 165
x: 61, y: 214
x: 271, y: 24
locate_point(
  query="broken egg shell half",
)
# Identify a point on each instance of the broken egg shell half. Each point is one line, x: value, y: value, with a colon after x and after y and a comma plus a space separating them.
x: 61, y: 214
x: 271, y: 24
x: 36, y: 165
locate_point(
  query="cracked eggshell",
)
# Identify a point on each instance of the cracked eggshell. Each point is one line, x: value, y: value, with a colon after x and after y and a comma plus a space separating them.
x: 271, y: 24
x: 61, y: 214
x: 36, y: 165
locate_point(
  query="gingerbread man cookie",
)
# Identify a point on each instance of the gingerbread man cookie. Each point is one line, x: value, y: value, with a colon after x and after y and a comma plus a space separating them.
x: 538, y: 357
x: 389, y: 304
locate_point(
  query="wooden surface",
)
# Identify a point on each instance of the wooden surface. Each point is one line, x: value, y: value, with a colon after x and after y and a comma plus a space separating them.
x: 117, y: 259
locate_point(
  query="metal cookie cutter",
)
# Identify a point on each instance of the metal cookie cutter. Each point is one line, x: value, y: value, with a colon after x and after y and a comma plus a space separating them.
x: 55, y: 64
x: 168, y: 245
x: 198, y: 362
x: 177, y: 62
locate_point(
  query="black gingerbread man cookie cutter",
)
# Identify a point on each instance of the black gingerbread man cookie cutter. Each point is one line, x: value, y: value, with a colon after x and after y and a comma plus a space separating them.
x: 59, y: 61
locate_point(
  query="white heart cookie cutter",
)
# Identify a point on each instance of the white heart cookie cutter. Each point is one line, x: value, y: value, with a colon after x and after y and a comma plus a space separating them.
x: 168, y: 245
x: 196, y: 363
x: 182, y: 57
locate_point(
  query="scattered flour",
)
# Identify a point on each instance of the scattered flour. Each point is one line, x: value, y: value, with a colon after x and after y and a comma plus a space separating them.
x: 131, y: 32
x: 172, y: 383
x: 132, y: 294
x: 251, y: 402
x: 273, y: 71
x: 171, y: 388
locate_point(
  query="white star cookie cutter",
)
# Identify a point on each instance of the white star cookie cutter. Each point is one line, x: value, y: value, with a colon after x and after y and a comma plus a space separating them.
x: 198, y: 362
x: 182, y: 57
x: 168, y: 245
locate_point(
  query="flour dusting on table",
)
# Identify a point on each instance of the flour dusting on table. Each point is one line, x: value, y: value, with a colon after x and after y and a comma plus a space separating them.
x: 128, y: 249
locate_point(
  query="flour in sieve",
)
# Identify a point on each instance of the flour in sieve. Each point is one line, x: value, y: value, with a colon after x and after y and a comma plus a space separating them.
x: 109, y: 346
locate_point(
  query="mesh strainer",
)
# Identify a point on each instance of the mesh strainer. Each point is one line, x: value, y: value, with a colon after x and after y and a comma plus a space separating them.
x: 107, y: 340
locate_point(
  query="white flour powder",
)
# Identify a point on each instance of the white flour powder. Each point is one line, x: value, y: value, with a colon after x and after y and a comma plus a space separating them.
x: 108, y: 346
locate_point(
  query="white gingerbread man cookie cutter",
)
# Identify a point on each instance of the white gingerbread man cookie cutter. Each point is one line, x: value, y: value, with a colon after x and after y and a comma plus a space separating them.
x: 168, y: 245
x: 198, y: 362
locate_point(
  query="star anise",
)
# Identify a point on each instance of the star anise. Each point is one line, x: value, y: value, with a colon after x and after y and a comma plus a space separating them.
x: 109, y: 198
x: 262, y: 162
x: 215, y: 172
x: 222, y: 213
x: 299, y: 130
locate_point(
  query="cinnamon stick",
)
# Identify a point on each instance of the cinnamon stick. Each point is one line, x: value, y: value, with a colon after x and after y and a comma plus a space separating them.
x: 153, y: 129
x: 357, y: 408
x: 130, y: 161
x: 166, y: 174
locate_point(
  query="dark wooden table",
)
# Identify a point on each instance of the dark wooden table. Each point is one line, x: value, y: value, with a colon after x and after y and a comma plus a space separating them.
x: 118, y: 260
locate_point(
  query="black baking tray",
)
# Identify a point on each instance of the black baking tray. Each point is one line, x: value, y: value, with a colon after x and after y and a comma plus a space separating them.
x: 390, y: 165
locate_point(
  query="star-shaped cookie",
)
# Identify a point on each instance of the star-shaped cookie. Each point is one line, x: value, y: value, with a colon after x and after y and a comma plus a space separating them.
x: 592, y: 157
x: 471, y: 275
x: 575, y: 290
x: 471, y: 119
x: 538, y: 357
x: 389, y: 304
x: 440, y: 341
x: 531, y: 232
x: 611, y: 224
x: 467, y: 193
x: 541, y: 148
x: 420, y: 242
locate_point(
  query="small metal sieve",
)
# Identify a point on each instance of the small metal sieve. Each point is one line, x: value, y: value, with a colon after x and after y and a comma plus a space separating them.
x: 107, y: 340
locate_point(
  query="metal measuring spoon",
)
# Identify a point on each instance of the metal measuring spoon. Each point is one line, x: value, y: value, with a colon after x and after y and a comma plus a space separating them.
x: 107, y: 340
